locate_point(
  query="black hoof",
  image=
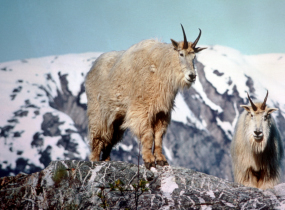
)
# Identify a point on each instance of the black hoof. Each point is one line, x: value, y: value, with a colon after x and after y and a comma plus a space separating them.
x: 162, y: 163
x: 149, y: 165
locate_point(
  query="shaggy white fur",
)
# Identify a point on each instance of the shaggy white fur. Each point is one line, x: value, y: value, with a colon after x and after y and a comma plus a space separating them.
x: 136, y: 89
x: 256, y: 147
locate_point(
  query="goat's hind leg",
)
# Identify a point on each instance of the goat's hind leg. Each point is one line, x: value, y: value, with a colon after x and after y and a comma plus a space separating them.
x: 97, y: 146
x: 117, y: 133
x: 106, y: 153
x: 100, y: 148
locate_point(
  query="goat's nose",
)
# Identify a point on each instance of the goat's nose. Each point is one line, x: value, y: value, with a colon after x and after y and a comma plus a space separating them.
x: 257, y: 133
x: 192, y: 76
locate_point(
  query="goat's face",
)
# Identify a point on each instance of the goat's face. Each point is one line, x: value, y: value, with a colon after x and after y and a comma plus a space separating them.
x: 258, y: 123
x: 186, y: 52
x: 186, y: 58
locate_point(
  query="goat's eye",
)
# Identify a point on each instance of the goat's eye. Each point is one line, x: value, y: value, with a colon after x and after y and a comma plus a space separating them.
x: 181, y: 54
x: 251, y: 115
x: 265, y: 118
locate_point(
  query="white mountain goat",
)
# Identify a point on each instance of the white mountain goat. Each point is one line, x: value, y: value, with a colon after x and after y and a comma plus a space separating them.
x: 136, y: 89
x: 256, y: 147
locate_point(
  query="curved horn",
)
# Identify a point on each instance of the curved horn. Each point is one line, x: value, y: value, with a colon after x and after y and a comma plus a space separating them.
x: 185, y: 44
x: 252, y: 104
x: 263, y: 105
x: 196, y: 41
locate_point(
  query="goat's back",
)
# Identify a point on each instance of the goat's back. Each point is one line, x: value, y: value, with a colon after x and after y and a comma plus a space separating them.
x: 138, y: 70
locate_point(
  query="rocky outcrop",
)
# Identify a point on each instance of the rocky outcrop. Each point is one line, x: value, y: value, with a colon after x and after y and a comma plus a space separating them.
x: 73, y: 184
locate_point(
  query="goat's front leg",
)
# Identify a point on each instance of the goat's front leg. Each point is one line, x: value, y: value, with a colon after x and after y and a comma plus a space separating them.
x: 160, y: 158
x: 148, y: 158
x: 159, y: 130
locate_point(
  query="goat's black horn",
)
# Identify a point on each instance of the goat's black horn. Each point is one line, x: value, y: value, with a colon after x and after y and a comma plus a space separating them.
x: 196, y: 41
x: 252, y: 104
x: 263, y: 105
x: 185, y: 44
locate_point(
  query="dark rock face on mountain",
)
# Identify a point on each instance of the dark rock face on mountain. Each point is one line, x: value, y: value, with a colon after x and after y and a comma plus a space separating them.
x: 120, y: 185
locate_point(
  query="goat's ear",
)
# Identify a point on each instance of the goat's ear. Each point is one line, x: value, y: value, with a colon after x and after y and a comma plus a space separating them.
x: 175, y: 44
x: 270, y: 110
x: 246, y: 107
x: 198, y: 49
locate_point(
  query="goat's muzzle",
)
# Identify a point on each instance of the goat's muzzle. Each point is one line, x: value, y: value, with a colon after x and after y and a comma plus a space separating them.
x: 258, y: 136
x: 192, y: 77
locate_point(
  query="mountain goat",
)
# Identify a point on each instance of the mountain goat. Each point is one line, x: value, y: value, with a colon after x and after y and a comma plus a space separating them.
x: 256, y: 147
x: 136, y: 89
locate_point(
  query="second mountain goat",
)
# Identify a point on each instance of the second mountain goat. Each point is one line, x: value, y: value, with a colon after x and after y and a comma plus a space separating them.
x: 256, y: 147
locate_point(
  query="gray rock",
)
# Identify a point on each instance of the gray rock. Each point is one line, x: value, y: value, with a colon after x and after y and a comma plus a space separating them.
x: 73, y: 184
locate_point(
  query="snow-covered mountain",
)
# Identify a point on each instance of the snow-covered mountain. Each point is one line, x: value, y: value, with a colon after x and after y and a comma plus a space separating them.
x: 43, y: 110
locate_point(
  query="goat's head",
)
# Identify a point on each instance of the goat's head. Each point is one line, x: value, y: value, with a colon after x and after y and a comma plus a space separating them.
x: 258, y: 123
x: 186, y: 52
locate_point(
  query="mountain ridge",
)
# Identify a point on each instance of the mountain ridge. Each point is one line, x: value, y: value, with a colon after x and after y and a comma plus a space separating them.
x: 44, y: 114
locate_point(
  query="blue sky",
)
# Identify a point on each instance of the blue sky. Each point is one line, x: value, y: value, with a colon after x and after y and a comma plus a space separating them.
x: 33, y: 28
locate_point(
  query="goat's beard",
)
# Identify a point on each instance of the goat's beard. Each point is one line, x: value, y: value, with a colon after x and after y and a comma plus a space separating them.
x: 257, y: 147
x: 182, y: 83
x: 187, y: 84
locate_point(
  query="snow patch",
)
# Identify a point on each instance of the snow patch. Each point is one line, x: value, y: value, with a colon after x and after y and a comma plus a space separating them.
x: 168, y: 153
x: 228, y: 61
x: 94, y: 173
x: 182, y: 113
x: 226, y: 126
x: 199, y: 88
x: 168, y: 185
x: 83, y: 98
x: 124, y: 147
x: 211, y: 194
x: 204, y: 206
